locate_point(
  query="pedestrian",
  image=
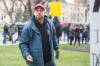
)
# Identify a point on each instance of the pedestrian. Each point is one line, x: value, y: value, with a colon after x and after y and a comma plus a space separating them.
x: 71, y: 35
x: 5, y: 32
x: 77, y: 35
x: 38, y: 39
x: 85, y: 36
x: 58, y: 27
x: 12, y: 31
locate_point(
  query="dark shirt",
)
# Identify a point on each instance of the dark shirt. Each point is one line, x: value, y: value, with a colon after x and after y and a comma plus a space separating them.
x: 45, y: 40
x: 77, y: 32
x: 6, y: 28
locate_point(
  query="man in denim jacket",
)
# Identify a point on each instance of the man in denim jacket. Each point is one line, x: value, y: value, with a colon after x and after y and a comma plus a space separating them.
x: 38, y: 39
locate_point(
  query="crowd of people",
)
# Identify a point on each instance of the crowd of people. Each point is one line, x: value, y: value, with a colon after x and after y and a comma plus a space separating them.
x: 70, y: 32
x: 76, y: 33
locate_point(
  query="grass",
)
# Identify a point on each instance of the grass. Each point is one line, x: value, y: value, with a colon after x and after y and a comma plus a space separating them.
x: 81, y: 48
x: 73, y: 58
x: 10, y: 56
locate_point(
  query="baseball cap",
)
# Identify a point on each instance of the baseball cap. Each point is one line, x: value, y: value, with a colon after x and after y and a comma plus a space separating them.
x: 39, y: 6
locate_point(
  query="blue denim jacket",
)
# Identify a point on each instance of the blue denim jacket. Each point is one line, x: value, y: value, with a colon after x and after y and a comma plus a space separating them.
x: 30, y: 42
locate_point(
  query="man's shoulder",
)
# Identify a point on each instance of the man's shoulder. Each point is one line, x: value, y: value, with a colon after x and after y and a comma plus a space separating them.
x: 27, y: 24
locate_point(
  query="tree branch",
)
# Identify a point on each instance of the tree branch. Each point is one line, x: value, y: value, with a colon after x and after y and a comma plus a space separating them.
x: 6, y: 7
x: 23, y: 3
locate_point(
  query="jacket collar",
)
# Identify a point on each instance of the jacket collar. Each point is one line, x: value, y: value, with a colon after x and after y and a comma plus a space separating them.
x: 33, y: 26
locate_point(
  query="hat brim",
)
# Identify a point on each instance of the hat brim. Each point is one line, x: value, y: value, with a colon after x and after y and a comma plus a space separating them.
x: 39, y: 7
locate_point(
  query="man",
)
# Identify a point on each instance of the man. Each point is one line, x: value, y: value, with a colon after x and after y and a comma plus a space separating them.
x: 58, y: 27
x: 38, y: 40
x: 5, y: 32
x: 77, y: 35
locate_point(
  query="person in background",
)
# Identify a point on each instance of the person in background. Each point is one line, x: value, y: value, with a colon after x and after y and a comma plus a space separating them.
x: 85, y: 36
x: 77, y: 35
x: 38, y: 39
x: 57, y: 27
x: 12, y: 30
x: 5, y: 32
x: 71, y: 35
x: 66, y: 31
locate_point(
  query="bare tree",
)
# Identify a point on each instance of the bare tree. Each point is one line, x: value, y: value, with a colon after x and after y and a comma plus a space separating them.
x: 16, y: 13
x: 13, y: 11
x: 8, y: 11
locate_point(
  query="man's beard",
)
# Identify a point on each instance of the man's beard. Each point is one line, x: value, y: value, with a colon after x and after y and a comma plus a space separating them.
x: 39, y: 17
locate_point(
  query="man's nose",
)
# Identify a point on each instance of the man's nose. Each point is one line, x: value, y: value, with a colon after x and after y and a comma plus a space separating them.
x: 39, y: 11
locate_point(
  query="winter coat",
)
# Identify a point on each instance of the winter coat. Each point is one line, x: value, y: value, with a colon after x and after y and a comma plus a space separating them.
x: 31, y: 43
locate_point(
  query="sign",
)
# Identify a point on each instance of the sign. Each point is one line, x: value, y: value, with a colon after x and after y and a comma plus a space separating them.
x: 95, y: 33
x: 56, y: 8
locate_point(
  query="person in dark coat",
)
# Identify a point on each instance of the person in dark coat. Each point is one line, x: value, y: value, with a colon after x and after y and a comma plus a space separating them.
x: 85, y: 36
x: 58, y: 27
x: 38, y: 40
x: 71, y: 36
x: 77, y: 36
x: 5, y: 32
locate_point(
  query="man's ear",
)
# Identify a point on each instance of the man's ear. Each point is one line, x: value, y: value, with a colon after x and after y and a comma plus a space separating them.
x: 34, y: 12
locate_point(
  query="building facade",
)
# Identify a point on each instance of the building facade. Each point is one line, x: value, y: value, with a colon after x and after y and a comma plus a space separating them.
x: 74, y: 13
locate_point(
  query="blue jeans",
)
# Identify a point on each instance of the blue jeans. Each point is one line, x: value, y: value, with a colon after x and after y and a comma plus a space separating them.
x: 4, y: 37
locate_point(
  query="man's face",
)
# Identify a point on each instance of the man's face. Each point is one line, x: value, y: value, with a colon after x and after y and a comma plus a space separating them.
x: 39, y: 13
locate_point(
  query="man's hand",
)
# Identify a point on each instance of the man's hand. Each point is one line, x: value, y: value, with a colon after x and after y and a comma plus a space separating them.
x: 29, y: 58
x: 57, y: 54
